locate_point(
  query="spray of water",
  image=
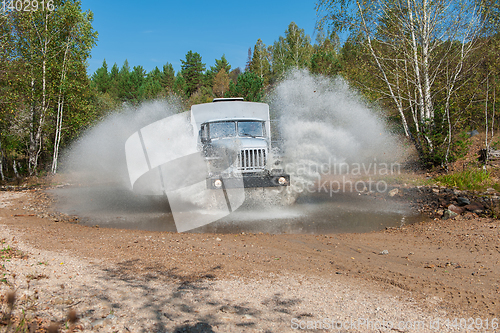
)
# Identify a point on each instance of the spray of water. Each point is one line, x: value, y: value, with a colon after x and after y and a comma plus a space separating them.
x: 325, y: 122
x: 322, y: 121
x: 99, y: 155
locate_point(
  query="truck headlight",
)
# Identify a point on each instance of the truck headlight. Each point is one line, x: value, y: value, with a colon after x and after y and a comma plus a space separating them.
x: 218, y: 183
x: 282, y: 181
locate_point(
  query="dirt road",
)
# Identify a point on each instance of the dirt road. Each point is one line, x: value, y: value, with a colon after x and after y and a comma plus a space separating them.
x: 127, y: 280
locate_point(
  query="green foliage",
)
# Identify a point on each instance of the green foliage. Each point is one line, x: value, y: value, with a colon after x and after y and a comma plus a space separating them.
x: 192, y: 72
x: 25, y: 103
x: 470, y: 179
x: 210, y: 74
x: 325, y: 60
x: 167, y: 79
x: 101, y: 78
x: 221, y: 83
x: 444, y: 151
x: 249, y: 86
x: 44, y: 55
x: 202, y: 95
x: 260, y: 64
x: 434, y: 87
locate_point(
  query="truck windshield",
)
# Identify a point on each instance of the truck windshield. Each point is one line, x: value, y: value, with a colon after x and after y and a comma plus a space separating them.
x: 222, y: 129
x: 250, y: 128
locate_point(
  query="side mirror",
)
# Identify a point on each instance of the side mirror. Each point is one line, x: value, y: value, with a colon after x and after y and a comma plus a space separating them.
x: 203, y: 136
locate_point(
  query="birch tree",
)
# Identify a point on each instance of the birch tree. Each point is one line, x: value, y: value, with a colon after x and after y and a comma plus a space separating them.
x: 35, y: 34
x: 260, y: 61
x: 76, y: 40
x: 294, y: 50
x: 50, y: 43
x: 420, y: 48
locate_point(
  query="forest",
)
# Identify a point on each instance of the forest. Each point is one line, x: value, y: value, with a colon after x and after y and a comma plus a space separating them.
x: 432, y: 67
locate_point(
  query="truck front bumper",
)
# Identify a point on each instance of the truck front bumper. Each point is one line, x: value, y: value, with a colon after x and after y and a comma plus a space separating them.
x: 248, y: 181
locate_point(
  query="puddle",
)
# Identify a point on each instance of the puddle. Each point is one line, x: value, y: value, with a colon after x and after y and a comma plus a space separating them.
x: 113, y: 207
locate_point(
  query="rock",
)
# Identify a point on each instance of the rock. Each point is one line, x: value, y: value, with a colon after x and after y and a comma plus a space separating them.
x: 97, y: 324
x: 435, y: 190
x: 448, y: 214
x: 384, y: 252
x: 393, y: 192
x: 473, y: 133
x: 455, y: 209
x: 440, y: 212
x: 475, y: 207
x: 461, y: 201
x: 218, y: 239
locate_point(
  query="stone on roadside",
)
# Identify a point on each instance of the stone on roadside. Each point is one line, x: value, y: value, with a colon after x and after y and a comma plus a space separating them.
x: 384, y: 252
x: 475, y: 207
x: 448, y: 214
x: 461, y: 201
x: 393, y: 192
x: 455, y: 209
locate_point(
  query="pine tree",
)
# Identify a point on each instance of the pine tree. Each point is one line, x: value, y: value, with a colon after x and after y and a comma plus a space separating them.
x: 101, y: 78
x: 124, y: 84
x: 192, y: 72
x: 249, y: 86
x: 168, y: 77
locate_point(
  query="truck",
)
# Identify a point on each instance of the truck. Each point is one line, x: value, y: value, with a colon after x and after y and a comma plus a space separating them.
x: 207, y: 160
x: 235, y: 138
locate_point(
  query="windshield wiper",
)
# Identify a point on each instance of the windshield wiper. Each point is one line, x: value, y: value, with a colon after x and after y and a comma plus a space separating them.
x: 250, y: 135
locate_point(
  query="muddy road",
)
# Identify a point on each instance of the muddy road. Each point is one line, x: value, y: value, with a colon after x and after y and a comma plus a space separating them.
x: 312, y: 213
x: 247, y: 281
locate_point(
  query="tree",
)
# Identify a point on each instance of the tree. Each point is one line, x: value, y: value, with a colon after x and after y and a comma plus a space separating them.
x: 325, y: 59
x: 249, y: 86
x: 249, y: 60
x: 212, y: 72
x: 419, y: 48
x: 49, y: 44
x: 180, y: 85
x: 167, y: 78
x: 221, y: 83
x: 114, y: 75
x: 137, y: 79
x: 298, y: 47
x: 78, y: 40
x: 101, y: 78
x: 260, y: 61
x: 234, y: 74
x: 293, y: 50
x: 124, y: 84
x: 192, y: 72
x: 279, y: 62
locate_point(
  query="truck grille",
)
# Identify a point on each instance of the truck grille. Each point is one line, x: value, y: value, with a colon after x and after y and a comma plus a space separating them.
x: 252, y: 159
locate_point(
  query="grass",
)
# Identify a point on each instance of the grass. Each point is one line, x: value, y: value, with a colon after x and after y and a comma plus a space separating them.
x: 470, y: 179
x: 8, y: 253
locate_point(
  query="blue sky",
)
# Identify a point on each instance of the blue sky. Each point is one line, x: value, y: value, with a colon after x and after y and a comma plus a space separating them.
x: 152, y: 33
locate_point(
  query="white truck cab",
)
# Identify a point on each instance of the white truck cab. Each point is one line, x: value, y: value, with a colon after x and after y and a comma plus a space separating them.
x: 235, y: 137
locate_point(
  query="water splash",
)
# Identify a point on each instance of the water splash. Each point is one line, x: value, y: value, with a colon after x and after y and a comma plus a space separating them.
x: 99, y: 155
x: 322, y: 121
